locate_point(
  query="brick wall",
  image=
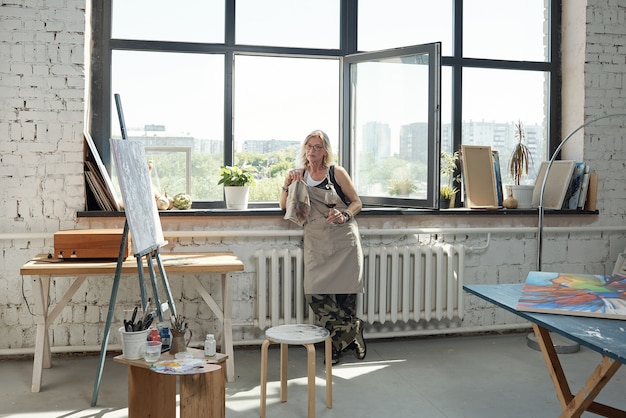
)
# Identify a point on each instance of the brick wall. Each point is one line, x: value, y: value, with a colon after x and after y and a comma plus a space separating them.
x: 42, y: 97
x: 605, y: 93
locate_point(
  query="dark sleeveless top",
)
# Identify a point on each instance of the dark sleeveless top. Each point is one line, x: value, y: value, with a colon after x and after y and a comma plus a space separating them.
x: 324, y: 183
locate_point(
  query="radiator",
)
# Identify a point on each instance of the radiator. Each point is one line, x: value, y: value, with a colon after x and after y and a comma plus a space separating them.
x: 402, y: 283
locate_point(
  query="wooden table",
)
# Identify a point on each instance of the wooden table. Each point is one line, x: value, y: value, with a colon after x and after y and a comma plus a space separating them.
x: 153, y: 394
x: 42, y: 269
x: 605, y: 336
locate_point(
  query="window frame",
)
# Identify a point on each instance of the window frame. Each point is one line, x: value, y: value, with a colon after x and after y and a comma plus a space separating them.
x: 433, y: 52
x: 100, y: 95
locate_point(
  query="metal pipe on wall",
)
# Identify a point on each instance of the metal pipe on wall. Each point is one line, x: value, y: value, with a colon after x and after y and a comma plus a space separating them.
x: 364, y: 232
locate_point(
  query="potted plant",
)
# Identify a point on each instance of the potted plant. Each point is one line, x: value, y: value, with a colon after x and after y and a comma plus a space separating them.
x: 447, y: 192
x: 519, y: 164
x: 446, y: 196
x: 402, y: 187
x: 237, y: 181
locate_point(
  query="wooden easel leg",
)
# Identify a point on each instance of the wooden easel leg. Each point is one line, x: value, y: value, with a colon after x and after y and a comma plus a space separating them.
x: 141, y: 281
x: 165, y: 283
x: 107, y: 328
x: 142, y: 284
x: 105, y: 337
x: 155, y: 288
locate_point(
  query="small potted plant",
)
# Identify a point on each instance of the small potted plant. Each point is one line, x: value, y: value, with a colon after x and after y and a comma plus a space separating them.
x: 447, y: 192
x: 519, y: 164
x: 446, y: 195
x: 237, y: 181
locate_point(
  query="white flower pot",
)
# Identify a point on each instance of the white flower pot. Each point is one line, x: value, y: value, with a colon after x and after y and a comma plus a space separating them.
x: 523, y: 193
x: 236, y: 197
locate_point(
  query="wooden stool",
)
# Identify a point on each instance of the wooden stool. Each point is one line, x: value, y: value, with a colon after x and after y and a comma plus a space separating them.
x: 301, y: 334
x: 153, y: 394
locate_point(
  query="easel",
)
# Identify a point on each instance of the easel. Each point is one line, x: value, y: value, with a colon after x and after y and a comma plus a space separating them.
x: 147, y: 236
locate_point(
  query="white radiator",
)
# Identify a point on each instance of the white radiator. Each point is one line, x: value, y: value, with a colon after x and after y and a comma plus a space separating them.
x: 402, y: 283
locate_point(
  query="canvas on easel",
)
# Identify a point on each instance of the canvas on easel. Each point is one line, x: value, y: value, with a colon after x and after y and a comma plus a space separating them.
x: 592, y: 295
x: 139, y: 203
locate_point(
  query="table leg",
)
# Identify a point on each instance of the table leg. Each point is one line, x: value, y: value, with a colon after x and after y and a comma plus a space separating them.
x: 42, y: 358
x: 227, y: 325
x: 44, y: 317
x: 202, y: 395
x: 150, y: 394
x: 574, y: 406
x: 225, y: 317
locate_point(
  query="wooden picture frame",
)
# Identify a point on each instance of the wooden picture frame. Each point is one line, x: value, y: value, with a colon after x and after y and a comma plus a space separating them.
x: 479, y: 177
x: 557, y: 184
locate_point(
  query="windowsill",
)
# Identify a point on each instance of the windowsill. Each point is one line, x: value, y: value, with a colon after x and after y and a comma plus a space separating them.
x: 378, y: 211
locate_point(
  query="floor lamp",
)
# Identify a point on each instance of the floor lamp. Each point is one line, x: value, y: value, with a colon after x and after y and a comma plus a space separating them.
x: 562, y: 347
x: 545, y: 178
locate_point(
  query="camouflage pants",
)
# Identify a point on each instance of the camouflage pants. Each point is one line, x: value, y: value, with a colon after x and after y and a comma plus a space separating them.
x: 336, y: 313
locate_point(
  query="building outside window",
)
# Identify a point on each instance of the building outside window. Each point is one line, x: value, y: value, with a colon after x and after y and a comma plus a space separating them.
x: 243, y: 82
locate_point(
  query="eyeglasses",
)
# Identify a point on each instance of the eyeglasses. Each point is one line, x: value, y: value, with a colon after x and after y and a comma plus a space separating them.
x: 309, y: 147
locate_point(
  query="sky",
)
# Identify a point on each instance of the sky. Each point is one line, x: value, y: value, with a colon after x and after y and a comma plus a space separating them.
x: 185, y: 92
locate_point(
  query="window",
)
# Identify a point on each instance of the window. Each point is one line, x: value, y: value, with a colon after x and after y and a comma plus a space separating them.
x: 174, y: 99
x: 288, y: 23
x: 394, y: 125
x: 277, y: 102
x: 245, y: 86
x: 157, y: 20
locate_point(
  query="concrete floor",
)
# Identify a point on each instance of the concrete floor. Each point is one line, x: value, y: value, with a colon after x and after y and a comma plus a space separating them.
x: 451, y: 377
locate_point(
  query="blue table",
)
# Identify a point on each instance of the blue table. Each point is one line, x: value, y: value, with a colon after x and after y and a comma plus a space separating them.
x: 605, y: 336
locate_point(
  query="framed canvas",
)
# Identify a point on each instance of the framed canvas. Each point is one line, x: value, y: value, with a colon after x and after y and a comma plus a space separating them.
x: 139, y: 203
x: 98, y: 176
x: 592, y: 295
x: 557, y: 184
x: 479, y: 177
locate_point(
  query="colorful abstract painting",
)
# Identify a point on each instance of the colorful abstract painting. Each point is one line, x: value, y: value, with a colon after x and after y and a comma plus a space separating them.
x: 574, y: 294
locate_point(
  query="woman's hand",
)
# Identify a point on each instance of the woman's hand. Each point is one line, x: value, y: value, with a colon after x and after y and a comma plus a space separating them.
x: 335, y: 217
x: 293, y: 175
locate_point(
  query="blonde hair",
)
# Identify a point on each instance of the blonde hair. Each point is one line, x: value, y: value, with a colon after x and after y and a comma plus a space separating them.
x: 328, y: 158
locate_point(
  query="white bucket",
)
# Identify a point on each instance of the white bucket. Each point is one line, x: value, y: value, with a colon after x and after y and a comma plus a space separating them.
x: 133, y: 343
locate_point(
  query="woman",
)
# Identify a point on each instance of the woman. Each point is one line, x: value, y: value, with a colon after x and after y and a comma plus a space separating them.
x: 333, y: 258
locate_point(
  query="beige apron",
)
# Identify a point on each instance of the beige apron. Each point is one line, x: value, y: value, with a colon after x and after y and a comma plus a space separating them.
x: 333, y: 257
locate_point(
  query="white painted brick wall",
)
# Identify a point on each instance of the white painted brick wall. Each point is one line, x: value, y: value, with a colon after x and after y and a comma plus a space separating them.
x: 605, y: 93
x: 41, y: 184
x: 42, y: 97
